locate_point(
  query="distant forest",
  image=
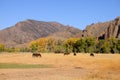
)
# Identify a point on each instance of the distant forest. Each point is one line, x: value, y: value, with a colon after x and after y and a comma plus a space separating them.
x: 71, y: 45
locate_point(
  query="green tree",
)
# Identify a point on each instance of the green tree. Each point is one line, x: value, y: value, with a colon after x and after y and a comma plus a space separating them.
x: 104, y: 46
x: 25, y: 49
x: 50, y: 45
x: 11, y: 49
x: 59, y: 46
x: 118, y: 46
x: 113, y: 45
x: 33, y: 46
x: 90, y: 45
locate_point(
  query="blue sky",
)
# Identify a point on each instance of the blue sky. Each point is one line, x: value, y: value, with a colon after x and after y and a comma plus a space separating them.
x: 77, y: 13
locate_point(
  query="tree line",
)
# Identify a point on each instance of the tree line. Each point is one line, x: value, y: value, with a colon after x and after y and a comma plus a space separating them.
x: 78, y: 45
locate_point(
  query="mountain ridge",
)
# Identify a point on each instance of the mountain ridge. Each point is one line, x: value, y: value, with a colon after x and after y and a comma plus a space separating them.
x: 28, y: 30
x: 25, y: 31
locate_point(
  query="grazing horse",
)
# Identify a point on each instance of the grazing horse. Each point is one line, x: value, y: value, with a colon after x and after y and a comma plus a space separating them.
x: 36, y: 55
x: 66, y: 53
x: 74, y: 54
x: 91, y: 54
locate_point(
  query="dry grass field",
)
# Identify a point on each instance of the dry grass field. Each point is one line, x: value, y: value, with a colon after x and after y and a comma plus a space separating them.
x: 69, y: 67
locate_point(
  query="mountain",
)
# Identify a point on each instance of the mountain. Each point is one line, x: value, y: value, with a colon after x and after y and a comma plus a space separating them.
x: 103, y: 30
x: 26, y: 31
x: 66, y: 32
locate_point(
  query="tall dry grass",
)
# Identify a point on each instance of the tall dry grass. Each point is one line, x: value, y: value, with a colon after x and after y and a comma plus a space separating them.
x: 100, y: 67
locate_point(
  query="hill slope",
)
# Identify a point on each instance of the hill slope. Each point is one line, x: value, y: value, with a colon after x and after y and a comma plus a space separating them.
x: 26, y: 31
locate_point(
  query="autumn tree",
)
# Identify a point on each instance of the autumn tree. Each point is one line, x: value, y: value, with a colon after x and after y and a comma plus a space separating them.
x: 2, y: 47
x: 59, y: 46
x: 39, y: 45
x: 87, y: 45
x: 71, y: 45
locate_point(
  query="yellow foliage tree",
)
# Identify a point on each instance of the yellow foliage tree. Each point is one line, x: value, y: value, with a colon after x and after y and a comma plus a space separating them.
x: 70, y: 44
x: 39, y: 44
x: 2, y: 47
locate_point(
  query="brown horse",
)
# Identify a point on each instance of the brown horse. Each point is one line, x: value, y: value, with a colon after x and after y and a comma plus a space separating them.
x: 36, y: 55
x: 91, y: 54
x: 74, y: 54
x: 66, y: 53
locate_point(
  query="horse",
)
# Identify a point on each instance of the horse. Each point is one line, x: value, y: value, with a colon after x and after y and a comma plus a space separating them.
x: 36, y: 55
x: 91, y: 54
x: 74, y: 54
x: 66, y: 53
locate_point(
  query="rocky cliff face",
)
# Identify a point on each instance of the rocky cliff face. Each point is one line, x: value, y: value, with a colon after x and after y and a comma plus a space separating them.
x: 113, y: 30
x: 103, y: 30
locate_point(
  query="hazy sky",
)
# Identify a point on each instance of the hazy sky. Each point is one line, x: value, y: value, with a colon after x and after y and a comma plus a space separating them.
x: 77, y: 13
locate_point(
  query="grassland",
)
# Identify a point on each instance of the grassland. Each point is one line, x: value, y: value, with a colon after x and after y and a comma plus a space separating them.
x: 21, y: 66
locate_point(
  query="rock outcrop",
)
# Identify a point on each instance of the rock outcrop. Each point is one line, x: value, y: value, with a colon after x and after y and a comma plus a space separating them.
x: 113, y: 30
x: 103, y: 30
